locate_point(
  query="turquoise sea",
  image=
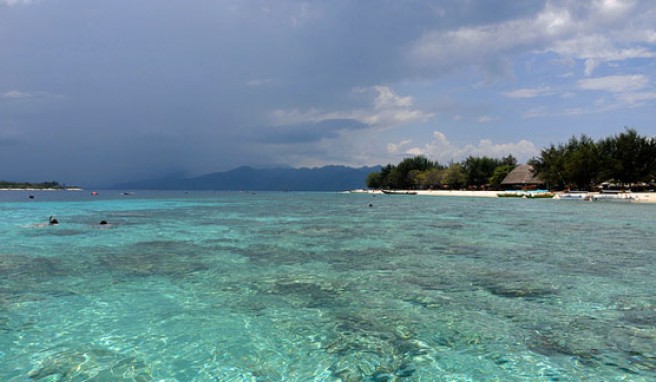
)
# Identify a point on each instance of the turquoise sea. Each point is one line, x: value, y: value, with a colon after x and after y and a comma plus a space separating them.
x: 323, y: 287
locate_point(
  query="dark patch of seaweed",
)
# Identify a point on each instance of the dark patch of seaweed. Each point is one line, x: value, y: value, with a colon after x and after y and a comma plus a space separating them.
x: 551, y: 345
x: 15, y: 266
x: 273, y: 254
x: 160, y: 257
x: 640, y: 317
x: 513, y: 285
x: 523, y: 290
x: 429, y: 280
x: 369, y: 259
x: 309, y: 294
x: 34, y: 278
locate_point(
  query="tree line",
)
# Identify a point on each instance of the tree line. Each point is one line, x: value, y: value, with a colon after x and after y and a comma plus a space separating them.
x: 581, y: 163
x: 421, y: 173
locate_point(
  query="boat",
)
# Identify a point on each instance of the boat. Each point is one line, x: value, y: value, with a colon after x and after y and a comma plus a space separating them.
x: 534, y: 194
x: 538, y: 195
x: 574, y: 195
x: 393, y: 192
x: 613, y: 196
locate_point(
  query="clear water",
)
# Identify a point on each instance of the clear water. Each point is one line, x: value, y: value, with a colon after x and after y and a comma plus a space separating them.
x: 322, y: 287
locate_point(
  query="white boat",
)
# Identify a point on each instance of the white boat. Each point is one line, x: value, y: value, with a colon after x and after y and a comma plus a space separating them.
x: 613, y: 196
x: 573, y: 195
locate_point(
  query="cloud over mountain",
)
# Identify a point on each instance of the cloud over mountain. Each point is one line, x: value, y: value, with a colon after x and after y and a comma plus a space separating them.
x: 122, y: 90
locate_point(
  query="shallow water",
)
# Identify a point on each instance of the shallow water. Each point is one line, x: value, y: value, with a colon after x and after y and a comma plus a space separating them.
x: 322, y: 287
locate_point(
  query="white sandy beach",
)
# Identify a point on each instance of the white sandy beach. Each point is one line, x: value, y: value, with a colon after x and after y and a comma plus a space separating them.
x: 636, y: 197
x: 477, y: 194
x: 644, y: 197
x: 471, y: 194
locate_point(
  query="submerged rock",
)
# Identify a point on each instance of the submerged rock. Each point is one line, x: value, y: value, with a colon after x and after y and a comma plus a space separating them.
x: 641, y: 317
x: 382, y: 377
x: 309, y: 293
x: 406, y: 370
x: 513, y: 285
x: 522, y: 290
x: 551, y: 345
x: 167, y: 258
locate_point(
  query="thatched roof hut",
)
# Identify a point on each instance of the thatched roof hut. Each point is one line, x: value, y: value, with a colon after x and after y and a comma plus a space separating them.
x: 521, y: 176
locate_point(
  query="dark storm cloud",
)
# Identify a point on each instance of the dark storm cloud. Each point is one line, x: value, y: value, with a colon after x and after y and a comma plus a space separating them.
x: 309, y: 132
x: 182, y: 70
x: 10, y: 140
x: 97, y: 91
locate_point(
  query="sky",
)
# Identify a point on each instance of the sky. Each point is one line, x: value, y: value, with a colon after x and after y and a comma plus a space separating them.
x: 97, y: 92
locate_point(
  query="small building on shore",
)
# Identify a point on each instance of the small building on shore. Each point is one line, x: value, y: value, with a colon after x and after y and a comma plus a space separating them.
x: 522, y: 177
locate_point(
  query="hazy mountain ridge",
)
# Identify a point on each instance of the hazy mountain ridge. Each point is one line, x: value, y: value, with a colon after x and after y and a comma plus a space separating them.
x: 327, y: 178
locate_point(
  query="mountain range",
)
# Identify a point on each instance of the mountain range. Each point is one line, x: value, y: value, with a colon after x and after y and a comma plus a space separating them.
x: 327, y: 178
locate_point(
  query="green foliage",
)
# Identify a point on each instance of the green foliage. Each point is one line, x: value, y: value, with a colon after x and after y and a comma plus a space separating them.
x: 550, y: 167
x: 581, y: 163
x: 407, y: 174
x: 455, y: 176
x: 414, y: 178
x: 629, y: 157
x: 479, y: 170
x: 500, y: 174
x: 420, y: 173
x: 374, y: 180
x: 432, y: 178
x: 575, y: 165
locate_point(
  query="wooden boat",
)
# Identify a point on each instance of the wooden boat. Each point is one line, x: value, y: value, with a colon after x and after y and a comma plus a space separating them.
x: 394, y: 192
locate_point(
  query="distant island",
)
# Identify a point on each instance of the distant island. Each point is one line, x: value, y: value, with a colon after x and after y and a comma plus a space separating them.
x: 53, y: 185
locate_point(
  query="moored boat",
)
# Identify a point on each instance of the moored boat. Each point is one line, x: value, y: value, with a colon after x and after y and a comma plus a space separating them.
x: 534, y: 194
x: 613, y: 196
x: 573, y: 195
x: 395, y: 192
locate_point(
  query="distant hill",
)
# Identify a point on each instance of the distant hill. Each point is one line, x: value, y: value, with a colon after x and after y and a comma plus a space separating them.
x: 328, y: 178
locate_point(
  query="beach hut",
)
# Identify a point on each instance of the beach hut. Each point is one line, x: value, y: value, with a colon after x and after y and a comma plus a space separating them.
x: 521, y: 177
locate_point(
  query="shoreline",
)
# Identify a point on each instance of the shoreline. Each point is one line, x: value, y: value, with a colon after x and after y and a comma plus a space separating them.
x: 475, y: 194
x: 636, y: 197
